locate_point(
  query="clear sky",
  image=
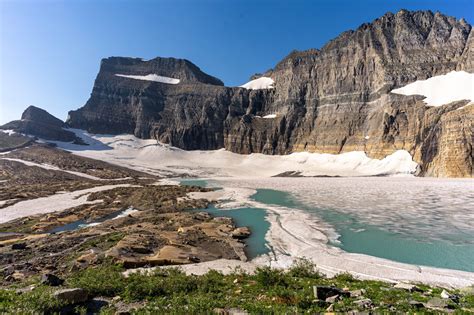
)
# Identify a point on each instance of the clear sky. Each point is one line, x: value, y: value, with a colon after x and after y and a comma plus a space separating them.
x: 50, y: 50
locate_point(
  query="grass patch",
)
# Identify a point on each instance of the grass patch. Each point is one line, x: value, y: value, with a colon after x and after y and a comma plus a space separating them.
x: 264, y: 292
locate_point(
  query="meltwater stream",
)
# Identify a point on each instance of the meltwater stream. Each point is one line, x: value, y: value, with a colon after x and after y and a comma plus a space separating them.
x: 82, y: 223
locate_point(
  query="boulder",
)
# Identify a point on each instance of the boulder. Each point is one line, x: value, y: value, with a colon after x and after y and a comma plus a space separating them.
x: 332, y: 299
x: 26, y: 289
x: 241, y: 233
x: 324, y: 292
x: 436, y: 303
x: 87, y: 259
x: 19, y: 246
x: 406, y: 286
x: 17, y: 276
x: 71, y: 296
x: 51, y: 280
x: 364, y: 303
x: 9, y: 270
x: 357, y: 293
x: 230, y: 311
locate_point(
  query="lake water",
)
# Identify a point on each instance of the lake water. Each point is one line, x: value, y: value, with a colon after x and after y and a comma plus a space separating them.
x: 194, y: 182
x: 79, y: 224
x: 253, y: 218
x: 418, y: 221
x: 357, y: 236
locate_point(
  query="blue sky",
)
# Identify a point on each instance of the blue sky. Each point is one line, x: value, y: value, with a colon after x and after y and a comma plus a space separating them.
x: 50, y: 50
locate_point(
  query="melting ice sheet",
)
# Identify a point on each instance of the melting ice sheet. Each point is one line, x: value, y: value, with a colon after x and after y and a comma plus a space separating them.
x: 413, y: 220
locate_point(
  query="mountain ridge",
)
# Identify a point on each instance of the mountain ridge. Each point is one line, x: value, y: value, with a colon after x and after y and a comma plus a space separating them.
x: 332, y: 100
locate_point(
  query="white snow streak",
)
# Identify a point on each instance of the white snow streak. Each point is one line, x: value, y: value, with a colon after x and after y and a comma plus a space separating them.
x: 57, y: 202
x: 55, y: 168
x: 151, y: 77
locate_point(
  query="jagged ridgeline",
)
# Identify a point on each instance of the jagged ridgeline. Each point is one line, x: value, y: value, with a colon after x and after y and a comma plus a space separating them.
x: 333, y: 100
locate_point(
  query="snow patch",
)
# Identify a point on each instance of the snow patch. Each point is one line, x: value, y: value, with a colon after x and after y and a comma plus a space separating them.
x: 270, y: 116
x: 57, y: 202
x: 151, y: 77
x: 8, y: 131
x: 123, y: 214
x: 442, y: 89
x: 259, y: 84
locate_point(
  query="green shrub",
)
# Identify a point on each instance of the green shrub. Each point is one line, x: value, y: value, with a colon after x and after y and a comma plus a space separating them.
x: 212, y: 282
x: 345, y: 277
x: 38, y: 301
x: 105, y: 280
x: 267, y: 276
x: 304, y: 268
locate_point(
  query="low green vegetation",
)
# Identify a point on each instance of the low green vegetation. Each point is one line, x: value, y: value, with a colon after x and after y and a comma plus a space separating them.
x: 267, y: 291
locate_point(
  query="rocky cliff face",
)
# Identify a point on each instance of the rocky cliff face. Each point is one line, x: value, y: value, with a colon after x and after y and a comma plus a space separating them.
x: 38, y: 122
x: 331, y: 100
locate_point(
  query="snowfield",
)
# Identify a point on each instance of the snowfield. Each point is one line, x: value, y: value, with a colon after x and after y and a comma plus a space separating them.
x: 442, y: 89
x: 259, y: 84
x: 151, y: 77
x: 153, y: 157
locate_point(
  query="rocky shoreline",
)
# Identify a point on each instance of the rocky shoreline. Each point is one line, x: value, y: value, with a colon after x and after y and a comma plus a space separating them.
x: 157, y: 230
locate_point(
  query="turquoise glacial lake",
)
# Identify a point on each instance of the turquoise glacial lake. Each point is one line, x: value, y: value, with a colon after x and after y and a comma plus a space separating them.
x: 253, y: 218
x: 359, y: 237
x: 355, y: 235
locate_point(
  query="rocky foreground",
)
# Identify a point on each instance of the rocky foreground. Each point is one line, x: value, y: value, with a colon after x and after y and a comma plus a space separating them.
x: 82, y: 259
x: 104, y: 289
x: 134, y: 222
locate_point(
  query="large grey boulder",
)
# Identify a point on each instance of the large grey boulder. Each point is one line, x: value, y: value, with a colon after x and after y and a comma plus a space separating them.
x: 71, y: 296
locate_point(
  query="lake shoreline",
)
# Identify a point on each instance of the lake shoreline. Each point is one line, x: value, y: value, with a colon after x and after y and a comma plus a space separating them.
x: 295, y: 234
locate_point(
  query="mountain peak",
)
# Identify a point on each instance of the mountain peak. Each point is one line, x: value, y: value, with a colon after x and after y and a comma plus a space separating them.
x: 36, y: 114
x: 182, y: 69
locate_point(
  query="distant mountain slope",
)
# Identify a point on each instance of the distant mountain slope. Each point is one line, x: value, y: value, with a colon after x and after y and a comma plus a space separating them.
x: 38, y: 122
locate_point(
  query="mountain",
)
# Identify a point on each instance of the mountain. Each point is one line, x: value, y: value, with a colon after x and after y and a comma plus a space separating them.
x: 38, y: 122
x: 333, y: 100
